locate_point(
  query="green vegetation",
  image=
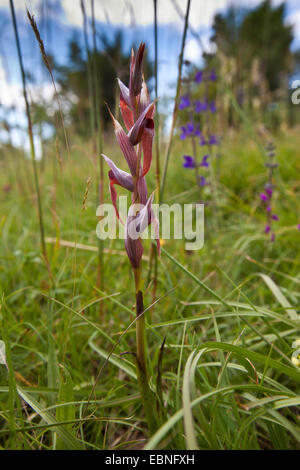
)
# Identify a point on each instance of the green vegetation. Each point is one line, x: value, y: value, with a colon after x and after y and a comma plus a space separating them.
x: 244, y: 389
x: 222, y: 323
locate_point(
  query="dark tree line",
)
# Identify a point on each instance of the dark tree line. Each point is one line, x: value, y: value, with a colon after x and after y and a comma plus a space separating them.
x: 110, y: 61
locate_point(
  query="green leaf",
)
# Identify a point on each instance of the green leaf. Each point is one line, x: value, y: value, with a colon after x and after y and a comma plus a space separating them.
x: 279, y: 296
x: 254, y: 356
x: 190, y: 435
x: 120, y: 363
x: 2, y: 353
x: 71, y: 442
x: 65, y: 396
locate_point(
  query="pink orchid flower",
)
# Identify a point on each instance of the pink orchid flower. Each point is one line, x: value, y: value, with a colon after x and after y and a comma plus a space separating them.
x: 137, y: 112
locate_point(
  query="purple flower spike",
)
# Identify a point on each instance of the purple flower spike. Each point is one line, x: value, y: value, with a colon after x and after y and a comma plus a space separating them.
x: 190, y: 128
x: 200, y: 106
x: 189, y: 161
x: 199, y: 76
x: 269, y: 191
x: 183, y: 134
x: 272, y: 238
x: 204, y: 161
x: 213, y: 140
x: 202, y: 141
x: 263, y: 197
x: 202, y: 181
x: 267, y: 229
x: 275, y: 217
x: 268, y: 208
x: 197, y: 132
x: 185, y: 102
x: 213, y: 75
x: 212, y: 107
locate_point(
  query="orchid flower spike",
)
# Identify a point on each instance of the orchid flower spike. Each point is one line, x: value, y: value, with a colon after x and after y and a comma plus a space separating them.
x: 136, y: 144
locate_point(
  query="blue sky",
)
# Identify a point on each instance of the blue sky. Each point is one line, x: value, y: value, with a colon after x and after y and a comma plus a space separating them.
x: 134, y: 17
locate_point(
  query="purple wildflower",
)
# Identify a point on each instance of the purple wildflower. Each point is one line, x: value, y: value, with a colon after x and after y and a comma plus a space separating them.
x: 190, y: 128
x: 184, y: 133
x: 263, y: 197
x: 197, y: 132
x: 200, y: 106
x: 212, y: 107
x: 199, y: 76
x: 189, y: 161
x: 266, y: 197
x: 202, y: 140
x: 202, y: 181
x: 213, y: 75
x: 185, y: 102
x: 267, y: 228
x: 204, y: 161
x: 213, y: 140
x: 269, y: 191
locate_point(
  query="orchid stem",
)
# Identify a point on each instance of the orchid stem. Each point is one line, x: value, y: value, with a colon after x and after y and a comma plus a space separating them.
x: 147, y: 395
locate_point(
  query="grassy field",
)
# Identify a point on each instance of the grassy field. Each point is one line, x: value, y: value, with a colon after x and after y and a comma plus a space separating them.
x: 229, y: 312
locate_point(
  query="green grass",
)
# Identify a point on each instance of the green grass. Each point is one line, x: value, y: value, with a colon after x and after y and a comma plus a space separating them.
x: 229, y: 312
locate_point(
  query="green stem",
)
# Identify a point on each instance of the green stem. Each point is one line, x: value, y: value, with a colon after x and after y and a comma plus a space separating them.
x: 148, y: 397
x: 30, y: 132
x: 175, y: 111
x: 99, y: 146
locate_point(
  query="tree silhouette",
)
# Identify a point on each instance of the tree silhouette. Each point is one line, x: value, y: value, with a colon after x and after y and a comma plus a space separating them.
x: 73, y: 79
x: 259, y: 34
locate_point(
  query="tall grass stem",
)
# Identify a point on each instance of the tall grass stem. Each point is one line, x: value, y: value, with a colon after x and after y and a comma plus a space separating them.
x: 176, y: 103
x: 30, y: 132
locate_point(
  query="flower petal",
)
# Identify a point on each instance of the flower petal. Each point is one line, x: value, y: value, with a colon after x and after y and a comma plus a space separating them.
x: 122, y: 178
x: 125, y: 144
x: 142, y: 190
x: 134, y: 247
x: 127, y: 114
x: 136, y: 76
x: 124, y: 92
x: 147, y: 142
x: 113, y: 196
x: 144, y: 97
x: 138, y: 223
x: 136, y: 132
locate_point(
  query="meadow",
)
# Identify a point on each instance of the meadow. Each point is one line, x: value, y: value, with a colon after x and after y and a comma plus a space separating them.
x: 222, y: 323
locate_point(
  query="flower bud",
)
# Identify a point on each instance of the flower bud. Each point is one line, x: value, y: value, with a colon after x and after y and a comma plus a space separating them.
x: 136, y: 75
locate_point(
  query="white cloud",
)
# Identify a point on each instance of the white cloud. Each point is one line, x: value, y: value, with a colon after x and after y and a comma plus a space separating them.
x: 193, y: 51
x: 141, y: 12
x: 11, y: 98
x: 10, y: 93
x: 194, y: 48
x: 294, y: 20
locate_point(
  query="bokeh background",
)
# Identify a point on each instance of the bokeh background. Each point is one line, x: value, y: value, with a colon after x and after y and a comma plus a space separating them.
x: 258, y: 42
